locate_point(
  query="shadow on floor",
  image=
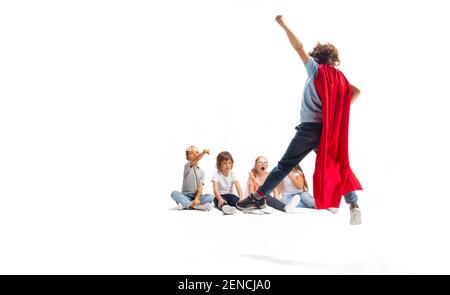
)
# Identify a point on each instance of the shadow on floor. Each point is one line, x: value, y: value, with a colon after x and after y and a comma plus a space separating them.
x: 329, y: 267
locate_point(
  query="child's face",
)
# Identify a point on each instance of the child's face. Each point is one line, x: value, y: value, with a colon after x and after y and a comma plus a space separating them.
x: 261, y: 165
x: 192, y: 154
x: 226, y: 166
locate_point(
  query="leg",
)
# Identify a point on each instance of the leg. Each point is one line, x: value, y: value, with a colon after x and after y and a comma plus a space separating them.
x: 275, y: 203
x: 231, y: 199
x: 352, y: 199
x: 355, y: 213
x: 230, y: 207
x: 305, y: 140
x: 206, y: 198
x: 184, y: 200
x: 286, y: 199
x: 306, y: 200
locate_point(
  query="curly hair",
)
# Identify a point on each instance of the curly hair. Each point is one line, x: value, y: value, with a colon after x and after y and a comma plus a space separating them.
x: 224, y: 156
x: 325, y: 54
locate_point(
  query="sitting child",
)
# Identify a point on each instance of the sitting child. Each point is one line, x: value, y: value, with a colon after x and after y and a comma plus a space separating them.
x: 191, y: 195
x: 224, y: 182
x: 257, y: 176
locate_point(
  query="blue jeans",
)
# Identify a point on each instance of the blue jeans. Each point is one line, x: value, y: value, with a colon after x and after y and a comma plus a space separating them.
x: 186, y: 199
x: 306, y: 139
x: 306, y: 200
x: 351, y: 197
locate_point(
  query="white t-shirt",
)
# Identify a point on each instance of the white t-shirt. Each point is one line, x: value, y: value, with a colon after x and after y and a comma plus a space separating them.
x: 288, y: 186
x: 226, y: 183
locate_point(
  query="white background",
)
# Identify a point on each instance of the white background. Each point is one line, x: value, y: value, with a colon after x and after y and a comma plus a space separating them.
x: 99, y: 100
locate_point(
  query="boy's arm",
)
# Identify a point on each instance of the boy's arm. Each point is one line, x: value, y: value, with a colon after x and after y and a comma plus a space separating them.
x: 239, y: 190
x: 198, y: 194
x: 295, y: 42
x: 195, y: 160
x: 276, y: 192
x: 220, y: 201
x: 250, y: 183
x: 355, y: 93
x: 297, y: 181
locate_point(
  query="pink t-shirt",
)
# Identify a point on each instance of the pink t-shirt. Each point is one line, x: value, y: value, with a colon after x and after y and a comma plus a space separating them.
x: 254, y: 182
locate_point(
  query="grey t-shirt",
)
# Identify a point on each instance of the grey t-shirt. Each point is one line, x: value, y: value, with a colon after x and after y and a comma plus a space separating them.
x: 311, y: 110
x: 192, y: 176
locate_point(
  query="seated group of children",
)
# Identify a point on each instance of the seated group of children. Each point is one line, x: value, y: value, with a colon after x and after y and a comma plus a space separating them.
x: 292, y: 192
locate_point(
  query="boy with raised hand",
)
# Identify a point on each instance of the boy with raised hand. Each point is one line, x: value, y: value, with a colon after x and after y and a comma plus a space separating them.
x: 191, y: 195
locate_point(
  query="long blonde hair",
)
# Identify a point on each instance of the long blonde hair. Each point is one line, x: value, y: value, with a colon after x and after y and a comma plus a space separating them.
x: 305, y: 184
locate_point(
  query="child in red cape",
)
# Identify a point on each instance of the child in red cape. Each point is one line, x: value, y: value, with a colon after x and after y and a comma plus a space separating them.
x: 324, y: 123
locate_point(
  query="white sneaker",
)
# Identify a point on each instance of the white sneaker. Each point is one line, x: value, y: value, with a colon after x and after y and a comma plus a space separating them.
x: 180, y: 206
x: 204, y: 207
x: 292, y: 204
x: 229, y: 210
x: 355, y: 216
x: 333, y: 210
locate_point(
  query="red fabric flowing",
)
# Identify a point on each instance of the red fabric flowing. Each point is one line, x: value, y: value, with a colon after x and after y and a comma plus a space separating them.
x: 333, y: 176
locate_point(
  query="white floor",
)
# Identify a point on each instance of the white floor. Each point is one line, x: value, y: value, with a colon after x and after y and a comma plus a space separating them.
x: 146, y: 235
x: 304, y: 242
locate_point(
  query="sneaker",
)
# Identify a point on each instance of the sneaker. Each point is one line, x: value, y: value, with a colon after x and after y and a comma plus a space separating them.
x: 355, y: 216
x: 228, y: 210
x: 333, y: 210
x: 292, y: 204
x: 204, y: 207
x: 180, y: 206
x: 251, y: 203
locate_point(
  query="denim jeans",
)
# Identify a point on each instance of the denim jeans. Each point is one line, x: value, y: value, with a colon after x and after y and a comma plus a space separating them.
x: 275, y: 203
x: 351, y: 197
x: 186, y: 199
x: 305, y: 140
x: 306, y: 200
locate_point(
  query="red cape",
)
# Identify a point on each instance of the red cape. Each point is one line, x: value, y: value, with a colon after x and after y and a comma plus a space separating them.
x: 333, y: 176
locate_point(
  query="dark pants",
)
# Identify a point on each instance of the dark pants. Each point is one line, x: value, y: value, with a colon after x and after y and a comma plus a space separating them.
x: 305, y: 140
x: 229, y: 198
x: 275, y: 203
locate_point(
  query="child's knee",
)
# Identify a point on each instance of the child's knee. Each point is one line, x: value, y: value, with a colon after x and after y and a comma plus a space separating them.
x: 208, y: 198
x: 175, y: 195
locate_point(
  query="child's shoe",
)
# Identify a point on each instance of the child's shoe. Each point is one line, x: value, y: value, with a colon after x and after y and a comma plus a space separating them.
x: 333, y: 210
x: 355, y: 216
x: 229, y: 210
x: 204, y: 207
x: 251, y: 203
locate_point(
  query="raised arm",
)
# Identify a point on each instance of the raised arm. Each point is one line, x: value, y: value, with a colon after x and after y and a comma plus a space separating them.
x: 355, y: 92
x: 197, y: 158
x: 295, y: 42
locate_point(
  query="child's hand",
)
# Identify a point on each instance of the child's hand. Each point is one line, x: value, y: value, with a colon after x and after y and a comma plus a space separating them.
x: 206, y: 151
x: 220, y: 203
x: 280, y: 20
x: 195, y: 202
